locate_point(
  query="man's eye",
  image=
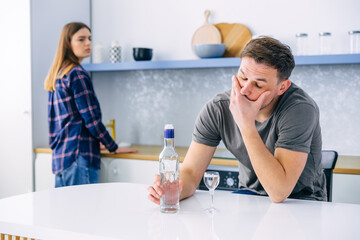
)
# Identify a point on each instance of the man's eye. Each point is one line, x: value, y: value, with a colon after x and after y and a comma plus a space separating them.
x: 257, y: 85
x: 244, y: 78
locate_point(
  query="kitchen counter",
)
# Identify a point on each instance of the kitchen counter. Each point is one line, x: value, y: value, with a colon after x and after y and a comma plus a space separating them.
x: 344, y: 165
x: 150, y: 152
x: 122, y: 211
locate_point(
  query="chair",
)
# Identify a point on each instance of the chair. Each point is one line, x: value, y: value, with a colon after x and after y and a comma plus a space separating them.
x: 328, y: 162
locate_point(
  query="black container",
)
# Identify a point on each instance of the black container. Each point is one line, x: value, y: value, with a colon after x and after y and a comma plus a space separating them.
x: 142, y: 54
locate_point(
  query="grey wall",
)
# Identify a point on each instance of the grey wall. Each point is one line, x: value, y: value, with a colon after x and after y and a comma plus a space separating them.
x: 47, y: 20
x: 143, y: 101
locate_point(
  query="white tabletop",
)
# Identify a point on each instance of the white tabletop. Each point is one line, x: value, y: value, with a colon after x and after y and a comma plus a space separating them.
x: 122, y: 211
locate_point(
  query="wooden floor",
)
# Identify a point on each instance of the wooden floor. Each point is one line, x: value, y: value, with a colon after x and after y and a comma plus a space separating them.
x: 11, y: 237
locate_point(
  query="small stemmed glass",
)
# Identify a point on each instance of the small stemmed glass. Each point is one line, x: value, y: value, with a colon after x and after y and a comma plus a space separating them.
x: 211, y: 180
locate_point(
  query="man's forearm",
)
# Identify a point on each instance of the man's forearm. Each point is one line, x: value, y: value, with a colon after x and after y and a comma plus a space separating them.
x: 189, y: 186
x: 267, y: 168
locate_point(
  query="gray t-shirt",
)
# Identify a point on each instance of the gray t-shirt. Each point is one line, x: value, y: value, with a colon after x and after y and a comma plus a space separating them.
x: 293, y: 125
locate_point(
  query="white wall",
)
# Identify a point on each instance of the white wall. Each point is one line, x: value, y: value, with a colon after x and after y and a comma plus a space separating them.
x: 167, y: 26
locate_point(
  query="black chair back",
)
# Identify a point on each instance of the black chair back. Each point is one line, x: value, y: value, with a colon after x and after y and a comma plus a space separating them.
x: 328, y: 162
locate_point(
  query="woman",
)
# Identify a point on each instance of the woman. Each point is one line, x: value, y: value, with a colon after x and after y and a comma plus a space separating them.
x: 74, y: 115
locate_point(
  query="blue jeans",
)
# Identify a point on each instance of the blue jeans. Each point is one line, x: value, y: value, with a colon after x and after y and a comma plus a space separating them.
x: 78, y: 173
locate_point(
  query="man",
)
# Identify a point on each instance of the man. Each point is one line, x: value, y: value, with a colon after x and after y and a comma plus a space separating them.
x: 269, y: 124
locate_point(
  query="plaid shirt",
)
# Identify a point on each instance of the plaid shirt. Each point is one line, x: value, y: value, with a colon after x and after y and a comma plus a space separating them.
x: 75, y: 125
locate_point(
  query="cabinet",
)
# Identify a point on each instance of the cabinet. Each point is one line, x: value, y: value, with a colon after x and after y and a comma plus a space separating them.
x: 112, y: 170
x: 216, y: 63
x: 346, y: 188
x: 128, y: 170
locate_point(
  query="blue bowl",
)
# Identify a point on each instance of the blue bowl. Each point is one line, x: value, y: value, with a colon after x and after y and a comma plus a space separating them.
x: 209, y: 50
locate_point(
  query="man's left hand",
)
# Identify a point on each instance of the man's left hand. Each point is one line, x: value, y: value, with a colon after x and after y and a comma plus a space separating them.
x: 243, y: 109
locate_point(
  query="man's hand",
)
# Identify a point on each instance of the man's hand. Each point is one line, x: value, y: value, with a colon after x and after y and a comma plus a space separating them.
x: 244, y: 110
x: 125, y: 150
x: 155, y: 191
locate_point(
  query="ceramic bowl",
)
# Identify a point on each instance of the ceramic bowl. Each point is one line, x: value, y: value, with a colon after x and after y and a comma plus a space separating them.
x: 209, y: 50
x: 142, y: 54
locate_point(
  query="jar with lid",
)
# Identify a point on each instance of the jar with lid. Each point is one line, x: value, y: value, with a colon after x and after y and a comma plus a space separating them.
x: 325, y: 42
x: 354, y: 41
x: 301, y: 43
x: 98, y: 54
x: 115, y: 52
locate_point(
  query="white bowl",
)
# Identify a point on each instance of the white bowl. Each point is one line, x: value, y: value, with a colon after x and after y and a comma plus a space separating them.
x: 209, y: 50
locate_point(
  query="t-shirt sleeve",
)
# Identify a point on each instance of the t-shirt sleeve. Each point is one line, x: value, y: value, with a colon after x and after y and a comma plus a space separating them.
x: 296, y: 128
x: 206, y: 129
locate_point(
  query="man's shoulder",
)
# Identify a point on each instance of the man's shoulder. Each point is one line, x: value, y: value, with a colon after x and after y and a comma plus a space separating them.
x: 296, y: 96
x: 221, y: 97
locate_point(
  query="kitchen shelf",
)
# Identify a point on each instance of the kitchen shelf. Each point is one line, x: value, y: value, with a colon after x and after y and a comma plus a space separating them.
x: 216, y: 63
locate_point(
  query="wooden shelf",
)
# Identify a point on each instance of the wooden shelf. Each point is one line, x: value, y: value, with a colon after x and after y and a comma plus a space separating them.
x: 216, y: 63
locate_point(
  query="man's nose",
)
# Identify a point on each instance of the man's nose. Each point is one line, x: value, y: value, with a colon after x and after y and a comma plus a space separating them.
x: 246, y: 89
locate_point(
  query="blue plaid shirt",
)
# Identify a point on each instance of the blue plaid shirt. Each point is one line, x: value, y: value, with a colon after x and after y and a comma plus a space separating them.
x: 75, y: 125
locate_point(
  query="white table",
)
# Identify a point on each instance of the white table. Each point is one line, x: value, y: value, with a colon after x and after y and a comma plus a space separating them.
x: 122, y: 211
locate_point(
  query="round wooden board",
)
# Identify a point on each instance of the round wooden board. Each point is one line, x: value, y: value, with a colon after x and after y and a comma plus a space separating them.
x: 207, y: 33
x: 235, y: 36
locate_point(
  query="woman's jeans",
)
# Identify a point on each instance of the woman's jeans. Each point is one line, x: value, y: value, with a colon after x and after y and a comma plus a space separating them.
x: 78, y: 173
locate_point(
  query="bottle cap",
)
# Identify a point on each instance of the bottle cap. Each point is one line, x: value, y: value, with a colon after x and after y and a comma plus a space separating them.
x: 324, y: 34
x: 301, y: 35
x: 169, y: 131
x: 354, y: 32
x: 115, y: 43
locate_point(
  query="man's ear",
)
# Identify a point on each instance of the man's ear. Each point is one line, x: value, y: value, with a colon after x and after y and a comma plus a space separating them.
x: 284, y: 85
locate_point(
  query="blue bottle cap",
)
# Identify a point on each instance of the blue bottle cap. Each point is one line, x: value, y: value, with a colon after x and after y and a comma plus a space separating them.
x: 169, y: 131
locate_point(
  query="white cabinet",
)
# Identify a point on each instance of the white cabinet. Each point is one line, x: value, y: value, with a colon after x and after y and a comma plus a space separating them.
x: 112, y: 170
x: 15, y: 99
x: 346, y: 188
x: 44, y: 178
x: 128, y: 170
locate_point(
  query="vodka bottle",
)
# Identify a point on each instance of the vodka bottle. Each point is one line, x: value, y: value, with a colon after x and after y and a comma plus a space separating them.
x: 169, y: 173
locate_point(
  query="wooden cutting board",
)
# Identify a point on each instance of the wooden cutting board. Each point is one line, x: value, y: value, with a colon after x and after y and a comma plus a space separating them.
x: 207, y: 33
x: 235, y: 36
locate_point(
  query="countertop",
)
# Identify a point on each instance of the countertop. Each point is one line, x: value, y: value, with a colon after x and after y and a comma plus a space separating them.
x: 344, y: 165
x: 151, y: 152
x: 122, y: 211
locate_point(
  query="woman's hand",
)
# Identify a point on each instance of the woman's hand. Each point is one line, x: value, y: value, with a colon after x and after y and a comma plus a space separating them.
x: 102, y: 147
x: 125, y: 150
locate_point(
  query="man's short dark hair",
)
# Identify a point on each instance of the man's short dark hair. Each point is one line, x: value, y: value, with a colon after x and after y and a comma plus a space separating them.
x: 271, y: 52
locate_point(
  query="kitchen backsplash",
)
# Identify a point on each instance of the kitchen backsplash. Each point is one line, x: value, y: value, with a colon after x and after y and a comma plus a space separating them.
x: 142, y: 102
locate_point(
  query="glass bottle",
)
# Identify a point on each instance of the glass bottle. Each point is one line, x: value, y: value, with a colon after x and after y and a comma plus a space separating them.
x: 354, y: 41
x: 325, y: 42
x: 301, y: 43
x: 169, y: 173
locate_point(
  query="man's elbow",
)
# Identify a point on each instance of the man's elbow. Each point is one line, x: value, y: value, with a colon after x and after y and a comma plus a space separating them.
x: 278, y: 197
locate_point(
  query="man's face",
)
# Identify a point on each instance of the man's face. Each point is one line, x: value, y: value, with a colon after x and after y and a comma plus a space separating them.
x: 256, y: 78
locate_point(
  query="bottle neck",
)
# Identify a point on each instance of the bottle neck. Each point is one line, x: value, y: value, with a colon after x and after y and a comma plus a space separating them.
x: 168, y: 142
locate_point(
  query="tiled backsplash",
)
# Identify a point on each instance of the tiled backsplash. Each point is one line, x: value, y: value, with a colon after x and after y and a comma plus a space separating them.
x: 143, y: 101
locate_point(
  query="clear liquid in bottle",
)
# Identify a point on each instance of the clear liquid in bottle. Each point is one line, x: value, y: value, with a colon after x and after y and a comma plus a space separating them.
x: 169, y: 173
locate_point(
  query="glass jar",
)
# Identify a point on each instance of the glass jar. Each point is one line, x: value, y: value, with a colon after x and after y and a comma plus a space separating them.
x: 354, y: 41
x: 301, y: 43
x: 325, y: 42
